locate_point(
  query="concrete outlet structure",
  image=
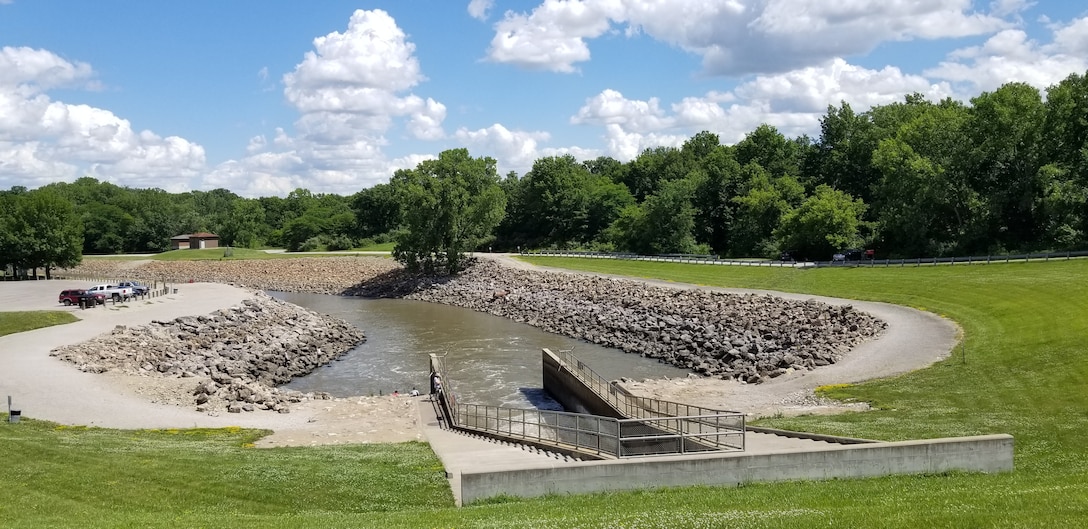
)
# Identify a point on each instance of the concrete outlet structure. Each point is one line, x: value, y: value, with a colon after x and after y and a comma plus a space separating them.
x: 481, y: 466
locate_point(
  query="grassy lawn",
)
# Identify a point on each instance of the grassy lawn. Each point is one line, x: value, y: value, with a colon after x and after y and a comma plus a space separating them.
x: 1025, y: 373
x: 381, y: 247
x: 13, y: 322
x: 88, y: 477
x: 216, y: 254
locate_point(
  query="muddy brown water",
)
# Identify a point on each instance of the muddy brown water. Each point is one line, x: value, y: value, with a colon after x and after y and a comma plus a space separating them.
x: 490, y: 360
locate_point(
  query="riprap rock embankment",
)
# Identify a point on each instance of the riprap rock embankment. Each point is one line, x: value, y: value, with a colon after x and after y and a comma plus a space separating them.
x: 236, y: 357
x: 748, y: 337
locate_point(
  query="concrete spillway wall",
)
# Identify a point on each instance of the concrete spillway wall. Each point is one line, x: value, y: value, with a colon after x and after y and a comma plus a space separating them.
x: 987, y: 453
x: 568, y: 390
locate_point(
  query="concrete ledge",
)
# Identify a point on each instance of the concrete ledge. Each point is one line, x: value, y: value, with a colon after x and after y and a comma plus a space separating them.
x: 810, y: 436
x: 987, y: 453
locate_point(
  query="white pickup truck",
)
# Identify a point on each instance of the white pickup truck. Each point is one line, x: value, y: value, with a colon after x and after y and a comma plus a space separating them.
x: 110, y: 291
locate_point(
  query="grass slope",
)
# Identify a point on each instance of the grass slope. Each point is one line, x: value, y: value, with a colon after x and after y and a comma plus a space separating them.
x: 1025, y: 373
x: 13, y: 322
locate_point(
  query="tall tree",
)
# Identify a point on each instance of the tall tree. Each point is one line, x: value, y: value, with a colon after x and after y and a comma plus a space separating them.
x: 841, y: 156
x: 662, y: 224
x: 1003, y: 161
x: 760, y: 208
x: 771, y: 150
x: 245, y: 227
x: 376, y: 210
x: 916, y: 208
x: 826, y: 222
x: 42, y: 232
x: 556, y: 200
x: 717, y: 183
x: 652, y: 167
x: 451, y: 205
x: 1064, y: 176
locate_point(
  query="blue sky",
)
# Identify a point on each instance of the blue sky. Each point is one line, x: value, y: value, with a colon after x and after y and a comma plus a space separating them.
x: 265, y: 97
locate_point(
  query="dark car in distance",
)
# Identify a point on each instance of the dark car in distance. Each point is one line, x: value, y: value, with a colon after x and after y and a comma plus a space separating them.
x: 853, y: 254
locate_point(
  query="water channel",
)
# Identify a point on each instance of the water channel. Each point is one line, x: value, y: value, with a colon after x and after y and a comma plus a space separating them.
x: 490, y: 359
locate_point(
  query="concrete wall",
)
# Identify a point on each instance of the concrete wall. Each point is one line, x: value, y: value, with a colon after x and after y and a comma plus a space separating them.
x: 989, y: 453
x: 569, y: 391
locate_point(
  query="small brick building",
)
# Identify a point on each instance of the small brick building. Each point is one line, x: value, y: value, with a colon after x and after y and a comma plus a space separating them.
x: 194, y: 241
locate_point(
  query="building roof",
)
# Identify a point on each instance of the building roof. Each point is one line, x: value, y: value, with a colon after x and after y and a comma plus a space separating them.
x: 200, y: 235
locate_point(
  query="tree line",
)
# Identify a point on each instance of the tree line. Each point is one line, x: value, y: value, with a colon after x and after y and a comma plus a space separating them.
x: 1005, y: 172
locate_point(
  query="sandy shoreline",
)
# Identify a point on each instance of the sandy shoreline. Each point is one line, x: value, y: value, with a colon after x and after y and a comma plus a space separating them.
x: 44, y: 387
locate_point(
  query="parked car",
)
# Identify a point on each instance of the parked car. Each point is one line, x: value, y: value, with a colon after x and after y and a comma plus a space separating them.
x: 852, y: 254
x: 138, y: 288
x: 90, y: 299
x: 112, y: 291
x: 73, y: 296
x: 70, y: 297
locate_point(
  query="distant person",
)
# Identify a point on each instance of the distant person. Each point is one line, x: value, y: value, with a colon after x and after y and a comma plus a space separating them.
x: 396, y: 393
x: 436, y: 384
x: 414, y: 393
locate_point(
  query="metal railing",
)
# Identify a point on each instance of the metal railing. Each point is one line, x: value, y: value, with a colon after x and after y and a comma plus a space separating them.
x: 652, y: 427
x: 445, y: 398
x: 576, y: 431
x: 599, y: 435
x: 724, y: 429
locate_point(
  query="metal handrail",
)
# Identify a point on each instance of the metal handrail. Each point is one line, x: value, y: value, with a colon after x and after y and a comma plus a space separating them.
x: 648, y: 430
x: 595, y: 434
x: 695, y: 419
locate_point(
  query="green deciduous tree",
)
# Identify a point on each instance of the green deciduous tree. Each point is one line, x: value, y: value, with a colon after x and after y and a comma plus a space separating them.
x: 1002, y: 161
x: 245, y: 227
x: 716, y: 184
x: 377, y: 210
x: 826, y: 222
x: 840, y: 158
x: 771, y: 150
x: 662, y: 224
x: 647, y: 172
x: 555, y: 200
x: 451, y: 205
x: 759, y: 211
x: 41, y: 231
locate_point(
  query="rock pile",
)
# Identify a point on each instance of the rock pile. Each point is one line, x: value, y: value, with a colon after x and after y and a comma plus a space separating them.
x: 730, y: 336
x: 235, y: 356
x: 320, y: 275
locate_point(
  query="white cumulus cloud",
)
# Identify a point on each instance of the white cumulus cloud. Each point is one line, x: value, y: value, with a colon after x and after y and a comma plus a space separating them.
x: 734, y: 37
x: 1010, y: 56
x: 479, y: 8
x: 44, y: 141
x: 793, y: 102
x: 351, y: 90
x: 513, y: 149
